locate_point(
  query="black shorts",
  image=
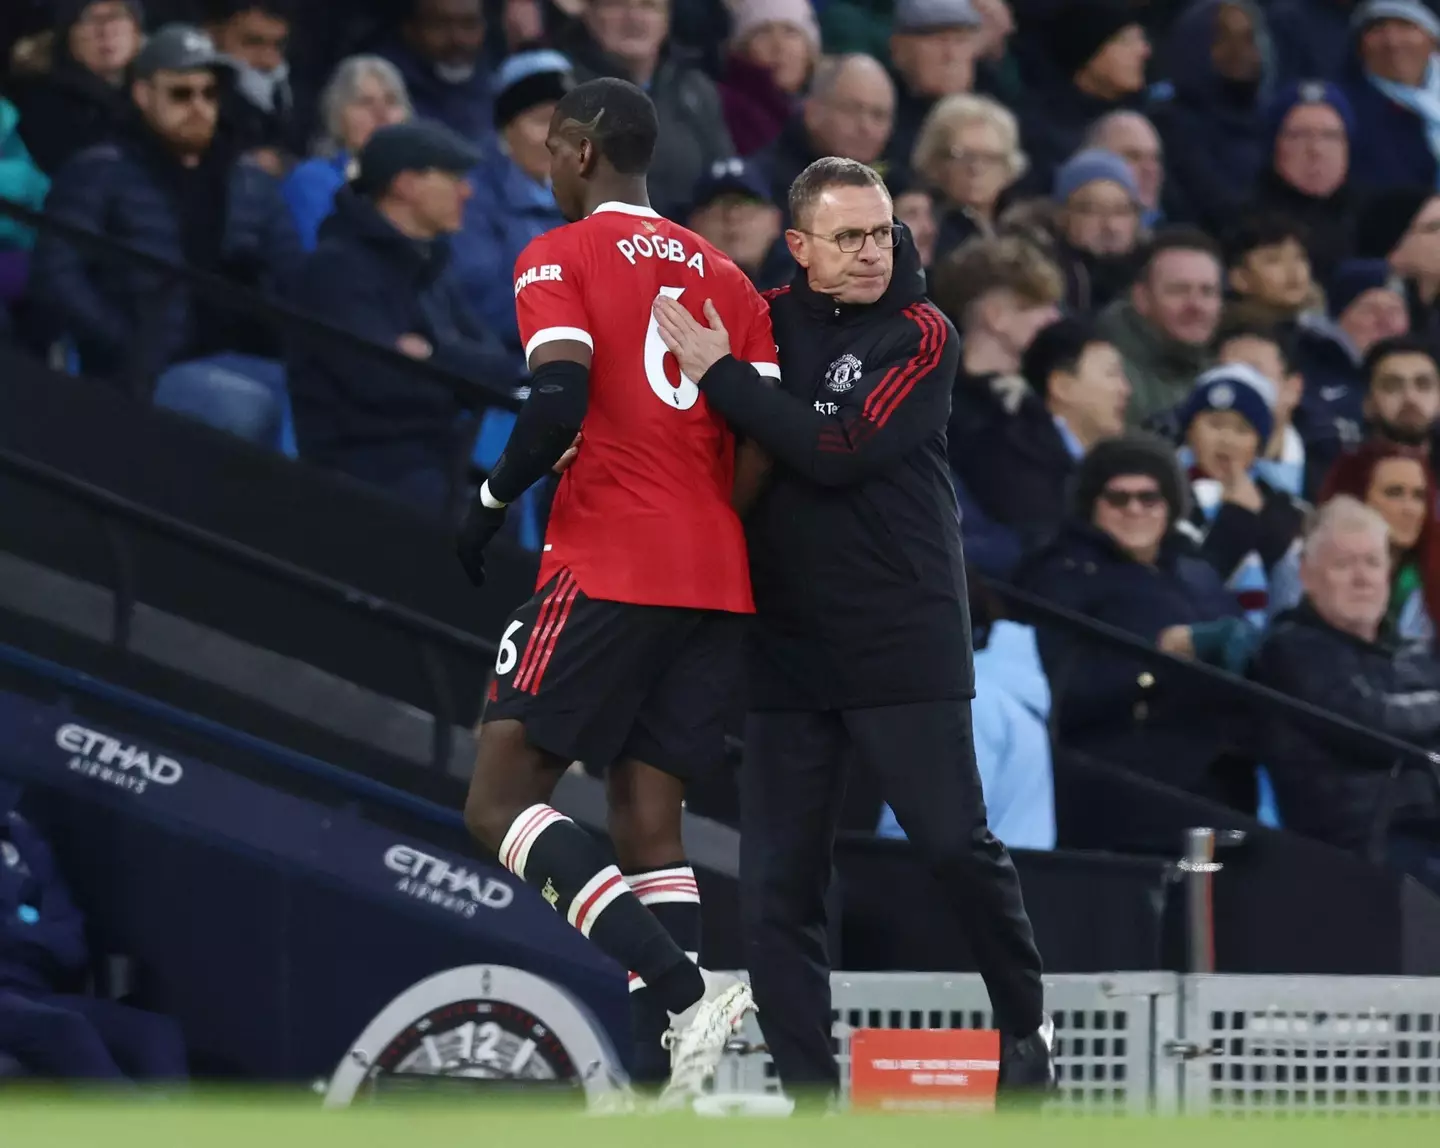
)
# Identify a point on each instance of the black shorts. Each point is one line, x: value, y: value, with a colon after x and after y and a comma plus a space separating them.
x: 596, y: 681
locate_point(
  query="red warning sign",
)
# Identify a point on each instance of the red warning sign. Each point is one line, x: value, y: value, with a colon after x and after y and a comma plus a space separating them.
x: 924, y: 1070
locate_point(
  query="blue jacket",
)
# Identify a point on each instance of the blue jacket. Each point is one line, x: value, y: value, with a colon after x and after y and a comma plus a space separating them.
x: 1215, y: 134
x: 1012, y: 740
x: 508, y: 210
x: 1389, y: 146
x: 370, y: 279
x: 1109, y: 704
x: 42, y: 934
x: 20, y: 180
x: 120, y: 190
x: 1330, y: 417
x: 309, y: 192
x: 467, y: 108
x: 1312, y: 38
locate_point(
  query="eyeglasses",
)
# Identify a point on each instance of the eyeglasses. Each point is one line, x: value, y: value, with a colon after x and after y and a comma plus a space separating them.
x: 852, y: 239
x: 1120, y: 499
x: 190, y: 93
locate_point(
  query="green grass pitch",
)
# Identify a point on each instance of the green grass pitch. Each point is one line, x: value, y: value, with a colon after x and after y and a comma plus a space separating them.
x: 280, y: 1122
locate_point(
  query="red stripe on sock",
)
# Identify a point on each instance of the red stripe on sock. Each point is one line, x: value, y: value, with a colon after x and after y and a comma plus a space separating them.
x: 595, y: 896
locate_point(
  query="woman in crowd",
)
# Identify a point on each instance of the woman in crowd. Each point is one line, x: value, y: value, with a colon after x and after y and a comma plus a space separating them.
x: 774, y: 45
x: 969, y: 152
x: 1121, y: 560
x: 364, y: 94
x: 1395, y: 481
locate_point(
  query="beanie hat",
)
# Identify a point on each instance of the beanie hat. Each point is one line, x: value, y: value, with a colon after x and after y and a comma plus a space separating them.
x: 1090, y: 166
x: 528, y: 79
x: 1291, y: 96
x: 69, y: 12
x: 746, y: 16
x: 1356, y: 276
x: 1411, y: 11
x: 921, y: 16
x: 1386, y: 217
x: 1080, y: 28
x: 1063, y: 341
x: 1233, y: 387
x: 1132, y: 453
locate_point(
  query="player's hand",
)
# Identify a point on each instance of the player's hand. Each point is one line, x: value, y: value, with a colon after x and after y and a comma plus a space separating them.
x: 416, y: 346
x: 481, y: 524
x: 696, y: 348
x: 571, y: 452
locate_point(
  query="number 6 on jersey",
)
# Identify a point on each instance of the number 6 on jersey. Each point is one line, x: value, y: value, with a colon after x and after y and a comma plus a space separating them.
x: 682, y: 397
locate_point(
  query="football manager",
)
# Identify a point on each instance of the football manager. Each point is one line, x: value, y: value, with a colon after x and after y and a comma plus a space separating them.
x: 861, y: 638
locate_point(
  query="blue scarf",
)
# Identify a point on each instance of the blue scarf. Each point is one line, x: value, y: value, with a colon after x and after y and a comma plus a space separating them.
x: 1424, y: 101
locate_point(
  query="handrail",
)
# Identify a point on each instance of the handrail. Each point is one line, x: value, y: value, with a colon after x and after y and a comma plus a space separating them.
x: 253, y: 303
x: 221, y: 291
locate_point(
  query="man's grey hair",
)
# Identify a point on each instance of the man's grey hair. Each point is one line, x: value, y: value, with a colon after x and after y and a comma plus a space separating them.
x: 1097, y: 132
x: 1343, y: 515
x: 342, y: 89
x: 830, y: 69
x: 823, y: 174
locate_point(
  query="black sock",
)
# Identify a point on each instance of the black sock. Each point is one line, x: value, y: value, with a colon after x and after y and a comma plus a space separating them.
x: 548, y: 850
x: 673, y: 897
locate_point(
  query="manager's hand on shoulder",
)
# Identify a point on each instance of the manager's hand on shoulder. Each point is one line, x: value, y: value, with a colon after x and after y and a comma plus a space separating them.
x: 480, y: 526
x: 696, y: 347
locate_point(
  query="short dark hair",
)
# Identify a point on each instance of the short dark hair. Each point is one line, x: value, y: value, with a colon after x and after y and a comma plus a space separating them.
x: 1177, y: 237
x: 1282, y: 340
x: 1398, y: 345
x: 1261, y: 229
x: 617, y: 117
x: 224, y: 10
x: 823, y: 174
x: 1057, y: 347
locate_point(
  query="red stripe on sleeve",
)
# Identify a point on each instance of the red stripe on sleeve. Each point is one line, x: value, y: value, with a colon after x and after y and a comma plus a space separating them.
x: 925, y: 360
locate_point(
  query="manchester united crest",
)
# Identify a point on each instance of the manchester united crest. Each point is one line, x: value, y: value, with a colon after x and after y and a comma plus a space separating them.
x: 843, y: 374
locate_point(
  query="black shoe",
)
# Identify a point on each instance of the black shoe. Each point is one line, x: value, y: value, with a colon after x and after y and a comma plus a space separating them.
x: 1027, y: 1067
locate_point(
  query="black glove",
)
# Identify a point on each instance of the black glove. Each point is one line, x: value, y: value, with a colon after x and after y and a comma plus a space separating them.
x: 481, y: 525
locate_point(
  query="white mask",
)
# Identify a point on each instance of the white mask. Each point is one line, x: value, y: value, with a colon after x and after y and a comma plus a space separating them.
x: 268, y: 91
x: 455, y: 73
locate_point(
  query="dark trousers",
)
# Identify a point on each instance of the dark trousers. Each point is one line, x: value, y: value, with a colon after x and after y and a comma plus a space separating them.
x: 791, y: 785
x: 88, y: 1038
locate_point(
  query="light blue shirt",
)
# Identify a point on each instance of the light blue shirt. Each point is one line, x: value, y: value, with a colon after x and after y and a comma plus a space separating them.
x: 1012, y: 741
x: 1067, y: 436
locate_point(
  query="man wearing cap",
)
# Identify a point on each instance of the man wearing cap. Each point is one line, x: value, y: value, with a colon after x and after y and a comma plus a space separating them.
x: 173, y: 187
x: 382, y: 270
x: 1099, y: 225
x: 81, y: 100
x: 1099, y: 49
x: 1394, y: 88
x: 932, y: 48
x: 1310, y: 126
x: 512, y: 201
x: 732, y: 210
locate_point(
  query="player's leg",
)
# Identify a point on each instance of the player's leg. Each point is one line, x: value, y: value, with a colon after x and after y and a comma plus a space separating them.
x: 792, y: 785
x: 924, y: 755
x: 562, y: 692
x: 678, y: 733
x: 645, y: 809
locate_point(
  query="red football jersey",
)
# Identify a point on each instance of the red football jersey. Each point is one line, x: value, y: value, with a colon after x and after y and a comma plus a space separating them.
x: 643, y: 515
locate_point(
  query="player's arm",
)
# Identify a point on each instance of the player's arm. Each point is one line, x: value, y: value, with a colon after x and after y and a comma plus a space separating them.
x: 558, y: 351
x: 752, y: 473
x: 906, y: 401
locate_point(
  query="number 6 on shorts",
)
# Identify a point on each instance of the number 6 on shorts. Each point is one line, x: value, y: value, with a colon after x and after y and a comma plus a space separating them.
x: 508, y: 655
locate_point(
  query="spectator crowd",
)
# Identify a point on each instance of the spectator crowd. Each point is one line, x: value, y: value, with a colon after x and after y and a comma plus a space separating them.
x: 1192, y: 249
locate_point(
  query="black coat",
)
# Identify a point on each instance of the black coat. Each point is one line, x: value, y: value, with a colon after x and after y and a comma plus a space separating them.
x: 66, y: 112
x: 1108, y: 704
x: 1326, y: 787
x: 855, y: 550
x: 367, y: 277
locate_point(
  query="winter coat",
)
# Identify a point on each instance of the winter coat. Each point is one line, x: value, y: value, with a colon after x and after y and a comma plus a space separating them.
x: 1330, y: 417
x: 372, y: 280
x: 68, y: 110
x: 466, y: 107
x: 310, y: 191
x: 129, y: 191
x: 1329, y: 223
x: 1109, y: 704
x: 20, y: 180
x: 1012, y: 740
x: 1214, y: 130
x: 507, y: 210
x: 1312, y: 38
x: 1053, y: 123
x: 1161, y: 371
x: 1327, y: 786
x: 1389, y: 146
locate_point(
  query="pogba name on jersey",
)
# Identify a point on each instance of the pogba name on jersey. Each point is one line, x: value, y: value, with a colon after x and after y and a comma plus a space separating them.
x: 659, y: 247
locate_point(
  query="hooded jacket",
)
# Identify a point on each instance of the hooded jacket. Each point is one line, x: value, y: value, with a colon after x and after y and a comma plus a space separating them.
x: 1161, y: 371
x: 855, y: 555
